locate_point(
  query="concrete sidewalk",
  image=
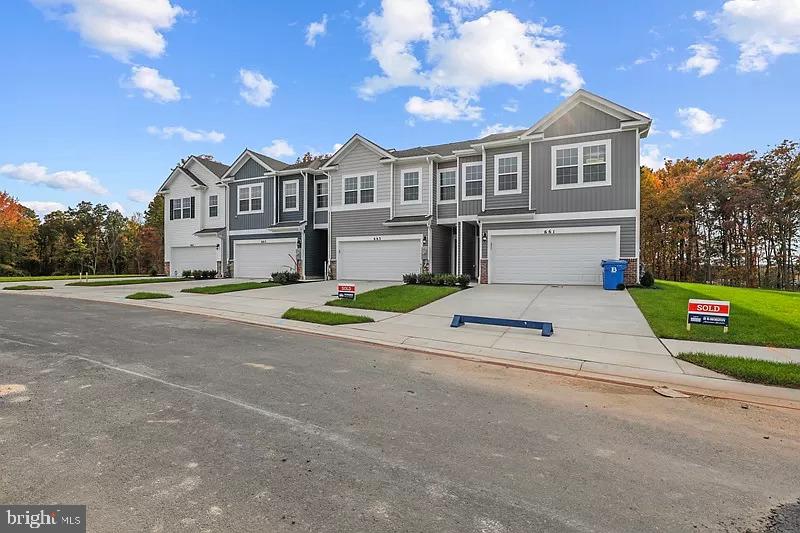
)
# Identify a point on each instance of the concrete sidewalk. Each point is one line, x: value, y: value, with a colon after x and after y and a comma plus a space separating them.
x: 766, y: 353
x: 599, y: 353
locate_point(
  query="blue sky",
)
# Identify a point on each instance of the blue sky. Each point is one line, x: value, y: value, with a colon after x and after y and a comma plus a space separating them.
x: 101, y: 99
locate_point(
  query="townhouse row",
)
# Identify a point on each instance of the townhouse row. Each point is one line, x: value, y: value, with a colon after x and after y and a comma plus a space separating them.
x: 542, y: 205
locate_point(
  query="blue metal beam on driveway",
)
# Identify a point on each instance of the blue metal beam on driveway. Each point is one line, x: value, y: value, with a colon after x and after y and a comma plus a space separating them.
x: 460, y: 320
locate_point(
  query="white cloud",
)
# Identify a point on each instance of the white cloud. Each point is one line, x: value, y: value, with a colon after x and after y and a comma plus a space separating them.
x: 512, y: 106
x: 63, y: 179
x: 455, y: 62
x: 704, y: 59
x: 458, y: 9
x: 700, y: 15
x: 279, y: 148
x: 499, y: 128
x: 140, y: 196
x: 42, y: 208
x: 336, y: 147
x: 651, y: 156
x: 256, y: 89
x: 167, y: 132
x: 675, y: 134
x: 698, y: 121
x: 652, y: 56
x: 153, y: 85
x: 116, y: 206
x: 120, y: 29
x: 316, y: 29
x: 443, y: 109
x: 763, y: 30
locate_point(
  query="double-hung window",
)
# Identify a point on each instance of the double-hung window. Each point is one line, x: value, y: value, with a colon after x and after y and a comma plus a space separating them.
x: 213, y: 206
x: 508, y: 173
x: 251, y: 198
x: 187, y: 208
x: 581, y: 165
x: 473, y: 180
x: 447, y: 186
x: 358, y: 190
x: 321, y: 201
x: 411, y: 187
x: 290, y: 195
x: 176, y: 209
x: 181, y: 208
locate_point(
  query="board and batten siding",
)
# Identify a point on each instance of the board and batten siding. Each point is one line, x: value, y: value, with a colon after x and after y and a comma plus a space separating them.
x: 359, y: 161
x: 627, y: 237
x: 621, y: 194
x: 507, y: 200
x: 421, y: 208
x: 366, y: 223
x: 251, y: 220
x: 251, y: 169
x: 292, y: 216
x: 468, y: 207
x: 582, y: 118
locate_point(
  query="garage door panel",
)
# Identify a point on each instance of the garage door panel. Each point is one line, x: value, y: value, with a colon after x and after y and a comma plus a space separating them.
x: 261, y: 259
x: 379, y: 260
x: 193, y: 258
x: 560, y: 258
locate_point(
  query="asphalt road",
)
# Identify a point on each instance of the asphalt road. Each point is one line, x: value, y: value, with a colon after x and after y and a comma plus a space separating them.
x: 159, y: 421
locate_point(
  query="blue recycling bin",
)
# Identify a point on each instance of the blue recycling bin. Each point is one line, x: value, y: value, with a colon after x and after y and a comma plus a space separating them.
x: 613, y: 273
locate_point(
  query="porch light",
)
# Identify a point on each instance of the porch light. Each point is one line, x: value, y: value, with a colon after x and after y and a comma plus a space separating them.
x: 424, y: 240
x: 484, y: 237
x: 299, y: 242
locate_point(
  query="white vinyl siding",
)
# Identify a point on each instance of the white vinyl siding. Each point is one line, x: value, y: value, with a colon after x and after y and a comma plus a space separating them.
x: 259, y: 259
x: 508, y: 174
x: 563, y: 256
x: 472, y: 186
x: 581, y: 165
x: 378, y: 258
x: 251, y: 198
x: 447, y: 186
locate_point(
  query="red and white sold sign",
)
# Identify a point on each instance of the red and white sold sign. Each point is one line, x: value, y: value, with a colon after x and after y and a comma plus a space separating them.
x: 346, y: 291
x: 709, y: 312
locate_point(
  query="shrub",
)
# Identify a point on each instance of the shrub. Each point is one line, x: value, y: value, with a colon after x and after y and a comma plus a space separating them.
x: 153, y: 272
x: 437, y: 279
x: 410, y: 279
x: 286, y: 277
x: 424, y: 278
x: 462, y: 281
x: 647, y: 279
x: 9, y: 270
x: 186, y: 274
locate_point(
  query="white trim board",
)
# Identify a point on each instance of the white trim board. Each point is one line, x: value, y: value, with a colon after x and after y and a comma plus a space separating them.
x: 586, y: 215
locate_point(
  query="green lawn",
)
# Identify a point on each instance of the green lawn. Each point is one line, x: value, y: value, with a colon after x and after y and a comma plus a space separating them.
x: 4, y: 279
x: 396, y: 298
x: 230, y: 287
x: 750, y: 370
x: 25, y: 287
x: 147, y: 296
x: 114, y: 282
x: 324, y: 317
x: 758, y: 317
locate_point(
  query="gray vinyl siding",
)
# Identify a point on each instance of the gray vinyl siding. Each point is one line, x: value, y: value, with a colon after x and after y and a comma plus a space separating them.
x: 255, y: 220
x: 360, y: 161
x: 446, y: 211
x: 366, y: 223
x: 421, y: 208
x: 320, y: 217
x: 468, y: 207
x: 441, y: 238
x: 582, y: 118
x: 442, y: 210
x: 627, y: 237
x: 507, y: 200
x: 260, y: 237
x: 251, y: 169
x: 292, y: 216
x: 621, y: 194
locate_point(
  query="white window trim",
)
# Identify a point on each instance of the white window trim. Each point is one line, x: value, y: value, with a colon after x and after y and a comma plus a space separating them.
x: 210, y: 206
x: 250, y: 200
x: 327, y: 194
x: 464, y: 180
x: 296, y: 195
x: 403, y: 187
x: 580, y: 147
x: 359, y: 189
x: 518, y: 189
x: 439, y: 186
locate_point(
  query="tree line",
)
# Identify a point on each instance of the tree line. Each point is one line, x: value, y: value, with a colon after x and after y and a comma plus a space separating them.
x: 86, y: 238
x: 733, y: 219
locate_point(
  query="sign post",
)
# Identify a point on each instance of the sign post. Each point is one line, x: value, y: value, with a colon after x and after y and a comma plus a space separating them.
x: 708, y: 312
x: 346, y: 291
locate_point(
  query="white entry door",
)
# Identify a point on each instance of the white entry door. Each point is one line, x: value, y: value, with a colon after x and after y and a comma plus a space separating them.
x: 192, y: 258
x: 386, y: 259
x: 568, y: 256
x: 259, y: 259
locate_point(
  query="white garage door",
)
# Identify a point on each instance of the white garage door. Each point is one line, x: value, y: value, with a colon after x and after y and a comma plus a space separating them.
x: 385, y: 259
x: 260, y: 259
x: 193, y: 258
x: 567, y: 257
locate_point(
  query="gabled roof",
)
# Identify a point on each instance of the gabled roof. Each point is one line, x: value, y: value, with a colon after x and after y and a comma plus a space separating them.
x: 354, y: 139
x: 216, y: 168
x: 312, y: 165
x: 598, y: 102
x: 180, y: 170
x: 270, y: 164
x: 436, y: 149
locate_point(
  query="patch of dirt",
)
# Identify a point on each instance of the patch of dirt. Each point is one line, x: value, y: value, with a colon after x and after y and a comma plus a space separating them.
x: 11, y: 388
